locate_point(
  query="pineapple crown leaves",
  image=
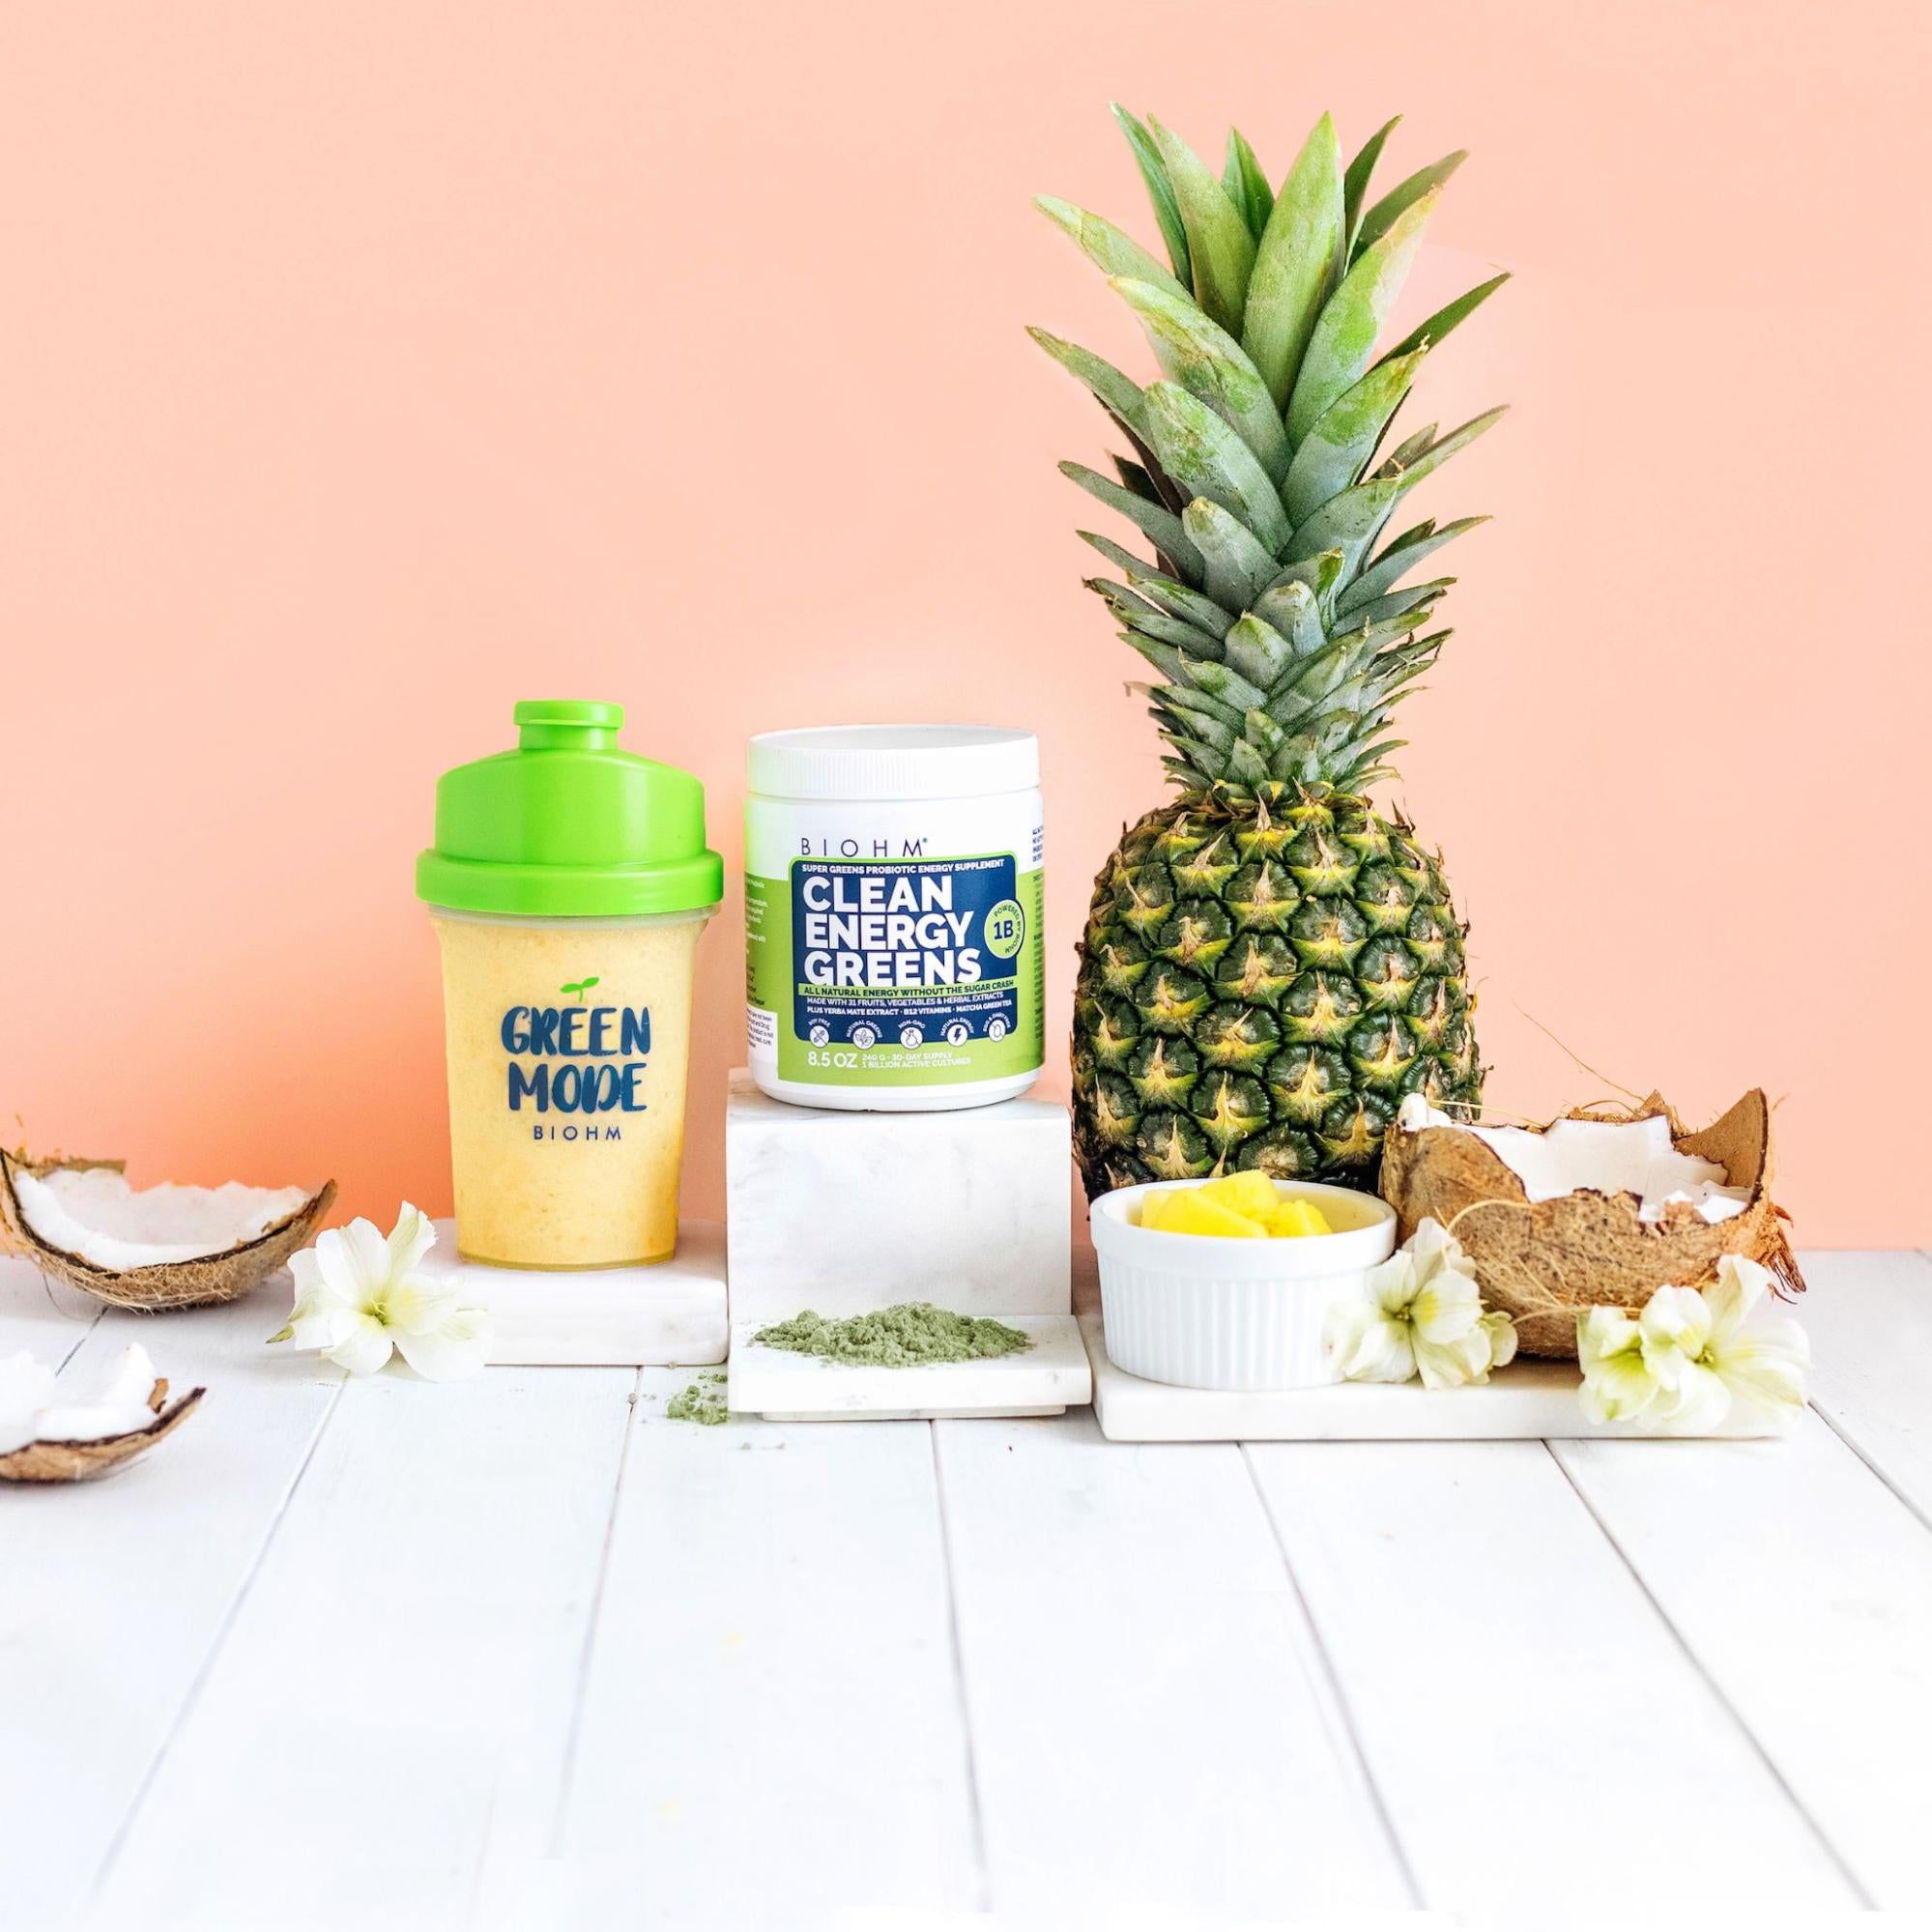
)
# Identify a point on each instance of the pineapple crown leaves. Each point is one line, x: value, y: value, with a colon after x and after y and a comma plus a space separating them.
x: 1273, y: 606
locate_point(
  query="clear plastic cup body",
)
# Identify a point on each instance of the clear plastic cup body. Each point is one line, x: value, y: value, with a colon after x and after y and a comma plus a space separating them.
x: 568, y: 1046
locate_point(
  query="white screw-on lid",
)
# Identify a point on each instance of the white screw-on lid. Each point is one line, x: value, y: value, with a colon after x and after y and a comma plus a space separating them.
x: 893, y: 762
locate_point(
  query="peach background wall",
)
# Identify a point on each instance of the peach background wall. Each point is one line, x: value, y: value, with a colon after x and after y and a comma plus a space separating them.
x: 369, y: 364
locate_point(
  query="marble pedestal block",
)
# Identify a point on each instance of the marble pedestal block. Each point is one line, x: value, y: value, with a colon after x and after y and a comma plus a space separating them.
x: 847, y: 1212
x: 670, y: 1315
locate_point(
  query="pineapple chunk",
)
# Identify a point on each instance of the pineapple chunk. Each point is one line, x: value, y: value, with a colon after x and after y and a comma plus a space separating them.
x: 1243, y: 1205
x: 1248, y: 1193
x: 1296, y: 1217
x: 1189, y: 1211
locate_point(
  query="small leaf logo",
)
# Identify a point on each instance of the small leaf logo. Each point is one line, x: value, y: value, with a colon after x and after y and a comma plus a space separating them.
x: 580, y: 986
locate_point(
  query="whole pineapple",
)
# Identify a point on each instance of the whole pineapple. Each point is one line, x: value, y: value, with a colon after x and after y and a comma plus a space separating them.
x: 1269, y: 964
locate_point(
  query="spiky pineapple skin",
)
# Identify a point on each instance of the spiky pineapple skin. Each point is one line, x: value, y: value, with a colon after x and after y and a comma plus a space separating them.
x: 1263, y: 976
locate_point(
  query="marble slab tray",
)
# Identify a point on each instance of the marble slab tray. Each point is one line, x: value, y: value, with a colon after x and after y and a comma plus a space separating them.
x: 671, y: 1315
x: 1051, y: 1377
x: 849, y: 1212
x: 1529, y: 1398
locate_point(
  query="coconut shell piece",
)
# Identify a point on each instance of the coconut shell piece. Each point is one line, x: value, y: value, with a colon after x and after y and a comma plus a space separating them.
x: 165, y: 1285
x: 1545, y: 1262
x: 83, y: 1461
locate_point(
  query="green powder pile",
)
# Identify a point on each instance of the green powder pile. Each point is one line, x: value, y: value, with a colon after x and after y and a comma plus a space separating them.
x: 909, y: 1335
x: 701, y: 1401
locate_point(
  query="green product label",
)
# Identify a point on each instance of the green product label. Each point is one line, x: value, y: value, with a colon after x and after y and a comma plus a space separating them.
x: 905, y: 972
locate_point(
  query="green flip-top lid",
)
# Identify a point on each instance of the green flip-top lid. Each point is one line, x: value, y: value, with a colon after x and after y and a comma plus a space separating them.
x: 568, y: 827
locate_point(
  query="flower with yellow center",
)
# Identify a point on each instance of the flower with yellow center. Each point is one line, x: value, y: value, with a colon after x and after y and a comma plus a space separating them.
x: 358, y: 1299
x: 1695, y: 1358
x: 1419, y: 1313
x: 1617, y: 1385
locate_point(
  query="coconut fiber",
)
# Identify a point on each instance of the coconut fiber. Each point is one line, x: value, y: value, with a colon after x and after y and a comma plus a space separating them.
x: 1545, y: 1262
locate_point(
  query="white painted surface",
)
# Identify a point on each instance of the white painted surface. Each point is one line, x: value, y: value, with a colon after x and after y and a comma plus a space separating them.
x: 1500, y: 1662
x: 395, y: 1699
x: 771, y: 1713
x: 41, y: 1315
x: 1804, y: 1588
x: 847, y: 1212
x: 1153, y: 1726
x: 520, y: 1652
x: 672, y: 1313
x: 1045, y: 1379
x: 1870, y: 1319
x: 115, y: 1595
x: 1529, y: 1401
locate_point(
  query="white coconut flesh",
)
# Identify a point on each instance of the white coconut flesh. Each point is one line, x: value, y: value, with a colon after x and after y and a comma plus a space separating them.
x: 92, y: 1212
x: 1632, y: 1157
x: 115, y: 1403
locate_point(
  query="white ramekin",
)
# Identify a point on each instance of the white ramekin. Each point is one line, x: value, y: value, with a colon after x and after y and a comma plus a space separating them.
x: 1214, y: 1312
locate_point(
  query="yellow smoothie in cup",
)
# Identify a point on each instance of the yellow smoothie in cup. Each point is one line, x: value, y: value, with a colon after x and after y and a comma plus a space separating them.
x: 568, y: 887
x: 569, y: 1041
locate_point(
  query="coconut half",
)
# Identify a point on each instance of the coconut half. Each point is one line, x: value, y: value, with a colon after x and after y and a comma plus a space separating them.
x: 162, y: 1247
x: 1597, y: 1209
x: 81, y: 1459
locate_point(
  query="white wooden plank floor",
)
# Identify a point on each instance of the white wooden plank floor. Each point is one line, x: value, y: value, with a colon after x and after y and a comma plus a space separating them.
x: 521, y: 1649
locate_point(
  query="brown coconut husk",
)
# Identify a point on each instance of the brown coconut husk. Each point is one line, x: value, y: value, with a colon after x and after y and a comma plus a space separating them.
x: 82, y: 1461
x: 165, y: 1285
x: 1545, y: 1262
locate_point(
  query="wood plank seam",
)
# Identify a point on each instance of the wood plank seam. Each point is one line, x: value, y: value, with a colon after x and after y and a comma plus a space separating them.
x: 476, y: 1890
x: 1843, y: 1432
x: 1845, y: 1428
x: 591, y: 1624
x: 88, y: 1323
x: 1397, y: 1851
x: 206, y: 1669
x: 1689, y: 1653
x: 983, y: 1893
x: 763, y: 1585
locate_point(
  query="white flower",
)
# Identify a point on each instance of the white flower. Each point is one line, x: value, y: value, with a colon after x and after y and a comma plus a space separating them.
x: 358, y: 1299
x: 1420, y: 1311
x: 1502, y: 1334
x: 1723, y: 1349
x: 1692, y: 1359
x: 1617, y: 1385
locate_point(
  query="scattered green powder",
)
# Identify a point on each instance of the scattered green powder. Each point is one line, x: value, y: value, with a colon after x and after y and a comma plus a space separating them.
x: 701, y: 1401
x: 905, y: 1337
